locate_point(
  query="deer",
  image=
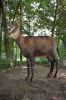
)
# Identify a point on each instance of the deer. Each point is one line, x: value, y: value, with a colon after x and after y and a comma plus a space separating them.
x: 35, y: 46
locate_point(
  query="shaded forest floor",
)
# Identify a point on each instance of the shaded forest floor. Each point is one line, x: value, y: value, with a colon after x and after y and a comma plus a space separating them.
x: 14, y: 87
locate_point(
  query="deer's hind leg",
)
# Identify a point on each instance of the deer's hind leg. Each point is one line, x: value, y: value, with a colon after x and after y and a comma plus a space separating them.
x: 51, y: 59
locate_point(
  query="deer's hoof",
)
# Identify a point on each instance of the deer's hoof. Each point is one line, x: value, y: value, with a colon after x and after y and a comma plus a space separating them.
x: 27, y: 78
x: 31, y: 79
x: 55, y: 76
x: 49, y: 75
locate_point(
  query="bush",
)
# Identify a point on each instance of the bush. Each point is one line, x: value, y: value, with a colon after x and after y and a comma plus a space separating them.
x: 41, y: 60
x: 4, y: 64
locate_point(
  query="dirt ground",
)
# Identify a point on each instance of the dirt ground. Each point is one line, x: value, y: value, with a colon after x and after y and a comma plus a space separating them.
x: 14, y: 87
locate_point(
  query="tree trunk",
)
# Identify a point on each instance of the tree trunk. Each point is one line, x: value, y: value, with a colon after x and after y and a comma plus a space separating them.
x: 20, y: 28
x: 0, y: 29
x: 0, y: 40
x: 20, y: 55
x: 4, y: 24
x: 16, y: 54
x: 55, y: 17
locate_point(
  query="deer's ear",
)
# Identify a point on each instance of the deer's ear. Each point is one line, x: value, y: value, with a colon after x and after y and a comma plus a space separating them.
x: 13, y: 26
x: 17, y: 23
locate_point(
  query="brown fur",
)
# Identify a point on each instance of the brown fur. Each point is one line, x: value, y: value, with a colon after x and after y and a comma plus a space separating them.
x: 32, y: 46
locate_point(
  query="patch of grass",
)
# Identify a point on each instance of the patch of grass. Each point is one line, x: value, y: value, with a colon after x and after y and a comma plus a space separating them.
x: 37, y: 60
x: 4, y: 64
x: 41, y: 60
x: 20, y: 62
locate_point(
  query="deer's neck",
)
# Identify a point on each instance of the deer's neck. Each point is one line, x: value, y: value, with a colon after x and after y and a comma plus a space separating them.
x: 20, y: 41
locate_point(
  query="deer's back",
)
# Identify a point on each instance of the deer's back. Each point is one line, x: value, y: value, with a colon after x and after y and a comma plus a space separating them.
x: 40, y: 45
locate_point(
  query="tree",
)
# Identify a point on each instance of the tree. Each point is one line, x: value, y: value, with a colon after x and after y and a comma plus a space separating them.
x: 33, y: 15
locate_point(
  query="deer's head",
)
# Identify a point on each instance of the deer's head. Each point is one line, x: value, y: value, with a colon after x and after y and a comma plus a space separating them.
x: 14, y: 30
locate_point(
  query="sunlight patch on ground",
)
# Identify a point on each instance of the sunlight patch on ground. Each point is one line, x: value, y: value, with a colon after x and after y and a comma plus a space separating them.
x: 24, y: 67
x: 62, y: 75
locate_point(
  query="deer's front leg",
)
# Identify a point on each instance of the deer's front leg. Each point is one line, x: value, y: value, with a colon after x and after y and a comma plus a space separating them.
x: 28, y: 69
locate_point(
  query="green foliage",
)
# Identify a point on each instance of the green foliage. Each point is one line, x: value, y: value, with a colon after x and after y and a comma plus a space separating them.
x: 38, y: 60
x: 41, y: 60
x: 34, y: 15
x: 4, y: 64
